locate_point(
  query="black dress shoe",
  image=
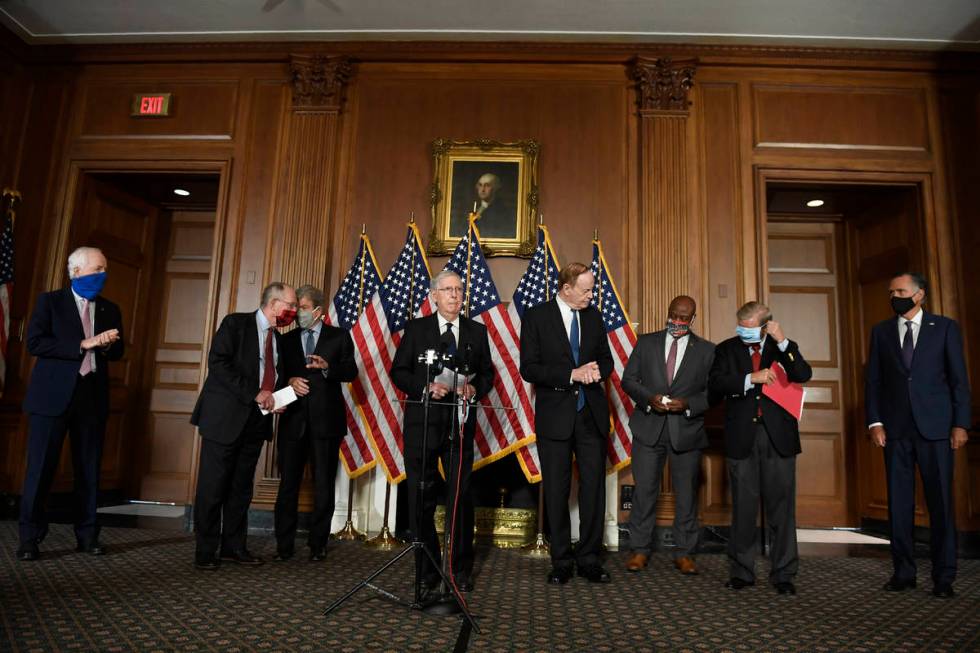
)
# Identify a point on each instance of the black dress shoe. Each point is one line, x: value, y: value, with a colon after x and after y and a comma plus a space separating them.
x: 283, y: 556
x: 560, y: 575
x: 785, y: 587
x: 95, y: 549
x: 943, y: 590
x: 464, y: 583
x: 319, y: 554
x: 738, y: 583
x: 594, y: 574
x: 896, y: 584
x: 28, y: 553
x: 206, y: 562
x: 432, y: 581
x: 242, y: 557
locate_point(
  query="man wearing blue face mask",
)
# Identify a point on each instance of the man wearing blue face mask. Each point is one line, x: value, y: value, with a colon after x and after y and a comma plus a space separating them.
x: 762, y: 441
x: 73, y: 334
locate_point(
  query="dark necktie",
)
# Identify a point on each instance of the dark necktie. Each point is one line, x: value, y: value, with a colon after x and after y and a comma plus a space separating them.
x: 448, y: 339
x: 671, y: 361
x: 908, y: 345
x: 573, y: 339
x: 269, y: 368
x: 756, y: 364
x: 309, y: 345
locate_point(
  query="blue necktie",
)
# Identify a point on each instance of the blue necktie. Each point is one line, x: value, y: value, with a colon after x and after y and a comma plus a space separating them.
x: 573, y: 341
x: 309, y: 344
x: 908, y: 346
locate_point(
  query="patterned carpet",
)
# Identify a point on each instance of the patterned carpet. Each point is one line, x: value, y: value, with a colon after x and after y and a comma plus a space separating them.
x: 146, y: 596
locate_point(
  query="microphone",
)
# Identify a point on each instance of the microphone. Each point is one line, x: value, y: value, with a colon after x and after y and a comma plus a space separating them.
x: 464, y: 365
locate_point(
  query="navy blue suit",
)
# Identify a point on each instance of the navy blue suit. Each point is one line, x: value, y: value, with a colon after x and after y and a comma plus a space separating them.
x: 918, y: 407
x: 58, y: 400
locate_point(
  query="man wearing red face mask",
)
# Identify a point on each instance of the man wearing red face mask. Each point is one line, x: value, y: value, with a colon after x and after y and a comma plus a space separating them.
x: 244, y: 369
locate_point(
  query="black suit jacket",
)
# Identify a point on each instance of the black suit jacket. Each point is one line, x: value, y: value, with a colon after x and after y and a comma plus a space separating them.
x: 727, y: 380
x: 228, y: 396
x: 409, y: 375
x: 547, y: 363
x: 322, y: 411
x: 54, y: 336
x: 646, y: 375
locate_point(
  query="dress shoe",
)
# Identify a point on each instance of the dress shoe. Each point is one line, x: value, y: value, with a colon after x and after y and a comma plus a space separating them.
x: 28, y: 553
x: 594, y: 574
x: 637, y: 561
x: 896, y: 584
x: 464, y: 583
x: 738, y: 583
x: 206, y: 562
x: 283, y: 556
x: 785, y: 587
x: 560, y: 575
x: 319, y: 554
x: 686, y: 566
x: 432, y: 581
x: 943, y: 590
x: 242, y: 557
x: 94, y: 549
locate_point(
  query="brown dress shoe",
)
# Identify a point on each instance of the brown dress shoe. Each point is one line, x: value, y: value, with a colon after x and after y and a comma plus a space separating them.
x: 686, y: 566
x: 636, y: 562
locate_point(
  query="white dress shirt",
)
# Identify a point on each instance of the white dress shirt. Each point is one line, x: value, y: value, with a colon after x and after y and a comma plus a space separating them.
x: 681, y: 348
x: 442, y: 327
x: 263, y: 326
x: 916, y: 327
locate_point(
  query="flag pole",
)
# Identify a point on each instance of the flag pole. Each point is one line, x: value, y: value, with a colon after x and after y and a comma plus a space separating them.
x: 348, y: 532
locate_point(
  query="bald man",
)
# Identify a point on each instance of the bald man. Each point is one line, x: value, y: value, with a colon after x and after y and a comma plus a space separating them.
x: 667, y: 377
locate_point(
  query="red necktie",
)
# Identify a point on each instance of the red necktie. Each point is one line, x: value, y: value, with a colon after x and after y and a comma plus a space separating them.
x: 269, y: 372
x: 671, y: 361
x: 756, y: 364
x: 86, y: 366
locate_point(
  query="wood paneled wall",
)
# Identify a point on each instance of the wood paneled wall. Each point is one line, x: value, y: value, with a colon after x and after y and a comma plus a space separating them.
x: 678, y: 198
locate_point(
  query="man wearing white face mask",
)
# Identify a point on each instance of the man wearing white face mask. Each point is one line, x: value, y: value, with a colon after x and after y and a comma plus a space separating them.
x: 762, y: 441
x: 317, y: 359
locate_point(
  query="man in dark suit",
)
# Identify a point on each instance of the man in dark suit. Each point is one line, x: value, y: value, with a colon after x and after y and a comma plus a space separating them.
x: 244, y: 369
x: 917, y: 403
x: 762, y: 441
x: 73, y: 333
x: 318, y: 358
x: 667, y: 377
x: 449, y: 332
x: 565, y: 355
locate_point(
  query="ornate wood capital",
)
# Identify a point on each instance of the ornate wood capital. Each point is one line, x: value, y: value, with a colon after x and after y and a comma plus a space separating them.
x: 318, y: 81
x: 662, y: 84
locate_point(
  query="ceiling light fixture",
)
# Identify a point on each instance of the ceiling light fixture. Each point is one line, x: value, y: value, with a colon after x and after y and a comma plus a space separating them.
x: 814, y: 203
x: 185, y: 193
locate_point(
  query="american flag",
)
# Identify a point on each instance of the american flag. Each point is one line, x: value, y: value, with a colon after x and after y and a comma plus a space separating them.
x: 538, y: 284
x: 376, y: 337
x: 622, y: 339
x: 498, y: 432
x: 360, y: 282
x: 6, y: 290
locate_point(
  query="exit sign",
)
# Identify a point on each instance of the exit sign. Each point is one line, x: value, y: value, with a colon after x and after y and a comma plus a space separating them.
x: 151, y: 105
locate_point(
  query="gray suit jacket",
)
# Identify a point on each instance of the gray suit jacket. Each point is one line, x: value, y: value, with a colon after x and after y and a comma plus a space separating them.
x: 646, y: 375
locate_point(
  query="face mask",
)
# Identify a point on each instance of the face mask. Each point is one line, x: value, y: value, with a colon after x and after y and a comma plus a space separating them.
x: 749, y: 335
x: 305, y: 318
x: 902, y: 305
x: 90, y: 285
x: 286, y: 318
x: 678, y: 329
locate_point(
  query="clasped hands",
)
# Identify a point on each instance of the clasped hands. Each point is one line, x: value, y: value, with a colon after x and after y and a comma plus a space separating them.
x: 440, y: 390
x: 588, y: 373
x: 301, y: 386
x: 673, y: 405
x: 103, y: 339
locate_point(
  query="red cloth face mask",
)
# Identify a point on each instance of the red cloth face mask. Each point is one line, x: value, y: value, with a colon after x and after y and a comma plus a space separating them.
x: 286, y: 318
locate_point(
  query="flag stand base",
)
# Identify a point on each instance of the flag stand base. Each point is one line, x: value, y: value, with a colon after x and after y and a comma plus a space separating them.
x: 384, y: 541
x: 348, y: 532
x: 538, y: 548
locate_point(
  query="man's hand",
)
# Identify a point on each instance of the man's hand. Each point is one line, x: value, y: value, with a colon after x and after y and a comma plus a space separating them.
x: 657, y: 404
x: 957, y: 437
x: 438, y: 390
x: 588, y: 373
x: 314, y: 362
x: 265, y: 400
x: 776, y: 331
x: 766, y: 376
x: 677, y: 405
x: 300, y: 386
x: 878, y: 435
x: 103, y: 339
x: 469, y: 391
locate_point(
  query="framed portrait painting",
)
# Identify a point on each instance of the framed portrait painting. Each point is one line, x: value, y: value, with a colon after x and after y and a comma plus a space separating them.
x: 495, y: 180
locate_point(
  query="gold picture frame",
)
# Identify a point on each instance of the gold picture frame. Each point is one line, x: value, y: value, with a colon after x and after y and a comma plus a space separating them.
x: 498, y: 181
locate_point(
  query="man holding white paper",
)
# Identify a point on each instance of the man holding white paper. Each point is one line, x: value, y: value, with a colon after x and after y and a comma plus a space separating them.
x: 244, y: 370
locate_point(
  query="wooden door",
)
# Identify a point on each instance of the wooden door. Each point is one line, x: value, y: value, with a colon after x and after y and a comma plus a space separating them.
x: 122, y: 226
x: 804, y: 276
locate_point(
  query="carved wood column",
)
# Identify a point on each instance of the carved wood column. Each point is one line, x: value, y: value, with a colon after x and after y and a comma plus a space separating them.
x: 662, y: 89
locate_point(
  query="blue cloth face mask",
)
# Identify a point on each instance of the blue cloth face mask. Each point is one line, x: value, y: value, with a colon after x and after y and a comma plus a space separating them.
x: 749, y: 335
x: 89, y: 286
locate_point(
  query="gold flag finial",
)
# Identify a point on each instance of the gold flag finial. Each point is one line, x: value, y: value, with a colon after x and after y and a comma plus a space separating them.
x: 541, y: 218
x: 411, y: 220
x: 363, y: 228
x: 595, y: 234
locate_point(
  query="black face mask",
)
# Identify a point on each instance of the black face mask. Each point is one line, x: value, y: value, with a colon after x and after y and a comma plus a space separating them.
x: 902, y: 305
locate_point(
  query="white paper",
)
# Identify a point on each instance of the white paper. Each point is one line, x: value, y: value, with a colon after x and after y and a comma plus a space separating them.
x: 446, y: 378
x: 283, y: 397
x: 665, y: 400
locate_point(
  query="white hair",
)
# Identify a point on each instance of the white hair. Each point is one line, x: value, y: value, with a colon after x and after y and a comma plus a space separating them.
x: 79, y: 259
x: 436, y: 280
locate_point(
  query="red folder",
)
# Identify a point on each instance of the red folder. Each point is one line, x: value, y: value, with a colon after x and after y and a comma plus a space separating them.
x: 784, y: 392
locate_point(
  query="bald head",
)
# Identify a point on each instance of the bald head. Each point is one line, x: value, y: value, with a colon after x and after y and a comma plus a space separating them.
x: 682, y: 308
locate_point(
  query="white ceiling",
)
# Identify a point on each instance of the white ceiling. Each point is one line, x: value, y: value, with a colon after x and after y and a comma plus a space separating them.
x: 920, y: 24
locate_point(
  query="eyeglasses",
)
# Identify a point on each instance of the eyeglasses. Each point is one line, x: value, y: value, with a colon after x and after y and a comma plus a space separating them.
x: 452, y: 290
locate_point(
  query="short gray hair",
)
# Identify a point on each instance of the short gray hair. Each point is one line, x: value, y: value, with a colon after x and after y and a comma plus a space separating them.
x: 436, y: 280
x: 312, y: 292
x: 273, y: 291
x: 753, y: 309
x: 493, y: 179
x: 79, y: 258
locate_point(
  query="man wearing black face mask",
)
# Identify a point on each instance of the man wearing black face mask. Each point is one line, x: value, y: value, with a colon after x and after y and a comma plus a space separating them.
x: 917, y: 403
x: 244, y: 369
x: 667, y: 377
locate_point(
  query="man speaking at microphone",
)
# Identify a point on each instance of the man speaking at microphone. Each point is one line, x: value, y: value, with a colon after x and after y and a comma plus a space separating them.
x: 465, y: 343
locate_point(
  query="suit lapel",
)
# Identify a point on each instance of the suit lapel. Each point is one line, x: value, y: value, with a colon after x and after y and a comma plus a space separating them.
x: 250, y: 348
x: 927, y: 332
x: 658, y: 360
x: 71, y: 308
x: 690, y: 351
x: 559, y: 324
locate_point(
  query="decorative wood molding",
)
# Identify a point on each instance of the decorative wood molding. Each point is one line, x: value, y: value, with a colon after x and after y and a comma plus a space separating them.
x: 318, y: 81
x: 662, y: 84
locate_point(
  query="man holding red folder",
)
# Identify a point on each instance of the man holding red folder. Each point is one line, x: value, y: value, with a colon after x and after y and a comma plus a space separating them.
x: 762, y: 441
